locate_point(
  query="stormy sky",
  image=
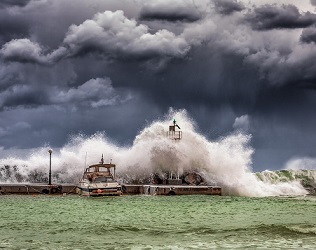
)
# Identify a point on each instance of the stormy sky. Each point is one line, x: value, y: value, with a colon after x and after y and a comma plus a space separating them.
x: 78, y: 66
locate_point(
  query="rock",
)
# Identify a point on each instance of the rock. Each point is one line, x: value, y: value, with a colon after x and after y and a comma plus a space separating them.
x: 193, y: 179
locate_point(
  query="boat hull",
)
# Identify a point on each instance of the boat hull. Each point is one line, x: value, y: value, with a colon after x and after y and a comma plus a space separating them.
x: 84, y: 191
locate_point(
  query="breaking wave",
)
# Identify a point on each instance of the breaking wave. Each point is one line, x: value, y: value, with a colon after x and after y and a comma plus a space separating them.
x: 225, y: 162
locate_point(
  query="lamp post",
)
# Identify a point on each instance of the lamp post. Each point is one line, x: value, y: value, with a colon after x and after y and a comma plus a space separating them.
x: 50, y: 167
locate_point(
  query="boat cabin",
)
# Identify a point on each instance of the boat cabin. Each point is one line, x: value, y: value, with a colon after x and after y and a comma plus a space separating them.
x: 100, y: 173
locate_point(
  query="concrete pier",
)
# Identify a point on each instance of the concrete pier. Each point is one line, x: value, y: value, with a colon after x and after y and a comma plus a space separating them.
x: 128, y: 189
x: 37, y: 188
x: 171, y: 189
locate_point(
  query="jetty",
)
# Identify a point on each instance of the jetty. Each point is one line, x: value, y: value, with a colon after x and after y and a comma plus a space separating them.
x: 127, y: 189
x: 40, y: 188
x: 170, y: 190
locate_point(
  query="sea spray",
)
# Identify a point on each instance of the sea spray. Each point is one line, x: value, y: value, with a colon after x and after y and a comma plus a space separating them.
x: 225, y: 162
x: 307, y: 178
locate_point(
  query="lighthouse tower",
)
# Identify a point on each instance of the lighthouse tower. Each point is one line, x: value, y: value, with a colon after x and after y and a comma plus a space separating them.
x: 173, y: 133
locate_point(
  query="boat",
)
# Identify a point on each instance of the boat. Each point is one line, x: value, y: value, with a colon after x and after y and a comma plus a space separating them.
x: 99, y: 180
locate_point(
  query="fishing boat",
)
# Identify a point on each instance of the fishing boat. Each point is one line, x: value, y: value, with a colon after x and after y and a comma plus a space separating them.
x: 99, y: 180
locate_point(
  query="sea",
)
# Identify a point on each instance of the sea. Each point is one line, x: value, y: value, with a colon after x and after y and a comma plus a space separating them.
x: 157, y: 222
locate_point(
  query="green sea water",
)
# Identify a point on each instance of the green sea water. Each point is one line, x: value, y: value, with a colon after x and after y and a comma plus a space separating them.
x: 157, y: 222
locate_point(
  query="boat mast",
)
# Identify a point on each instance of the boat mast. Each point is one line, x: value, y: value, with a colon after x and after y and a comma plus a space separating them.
x: 102, y: 160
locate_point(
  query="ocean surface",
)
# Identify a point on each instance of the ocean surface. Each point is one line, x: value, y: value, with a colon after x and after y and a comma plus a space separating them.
x: 157, y: 222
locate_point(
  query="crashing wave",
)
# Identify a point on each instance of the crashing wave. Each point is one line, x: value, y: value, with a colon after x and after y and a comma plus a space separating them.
x: 225, y: 162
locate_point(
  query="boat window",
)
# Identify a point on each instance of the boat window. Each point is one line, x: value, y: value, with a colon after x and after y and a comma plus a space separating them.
x: 103, y: 169
x: 91, y: 169
x: 103, y: 179
x: 100, y: 179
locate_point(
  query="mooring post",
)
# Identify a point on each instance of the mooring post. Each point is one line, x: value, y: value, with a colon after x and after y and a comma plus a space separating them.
x: 50, y: 167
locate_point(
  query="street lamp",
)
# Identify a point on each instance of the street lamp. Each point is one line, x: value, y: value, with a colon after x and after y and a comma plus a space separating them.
x: 50, y: 167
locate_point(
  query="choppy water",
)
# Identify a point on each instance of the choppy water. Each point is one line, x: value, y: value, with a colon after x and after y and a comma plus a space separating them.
x: 153, y: 222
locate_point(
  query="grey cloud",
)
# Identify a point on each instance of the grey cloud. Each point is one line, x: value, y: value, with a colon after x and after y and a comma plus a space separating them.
x: 268, y: 17
x: 23, y: 50
x: 8, y: 73
x: 293, y: 68
x: 313, y: 2
x: 227, y: 7
x: 26, y: 51
x: 110, y: 33
x: 12, y: 26
x: 8, y: 3
x: 115, y: 35
x: 23, y: 95
x: 94, y: 93
x: 170, y: 11
x: 309, y: 35
x: 20, y: 126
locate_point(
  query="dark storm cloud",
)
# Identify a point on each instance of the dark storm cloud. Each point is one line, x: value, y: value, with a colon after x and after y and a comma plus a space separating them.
x: 94, y: 93
x: 112, y: 65
x: 12, y: 28
x: 227, y: 7
x: 170, y: 11
x: 309, y: 35
x: 24, y: 95
x: 268, y: 17
x: 313, y: 2
x: 8, y: 3
x: 12, y: 25
x: 110, y: 33
x: 294, y: 67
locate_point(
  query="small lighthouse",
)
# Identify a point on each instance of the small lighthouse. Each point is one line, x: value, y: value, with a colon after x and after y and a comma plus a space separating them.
x: 173, y: 133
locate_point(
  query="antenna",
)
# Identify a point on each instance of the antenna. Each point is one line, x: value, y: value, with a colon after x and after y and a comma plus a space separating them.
x: 102, y: 160
x: 85, y: 164
x: 85, y: 161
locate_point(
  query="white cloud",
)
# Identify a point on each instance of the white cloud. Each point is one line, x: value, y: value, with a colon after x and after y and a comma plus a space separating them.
x: 242, y: 123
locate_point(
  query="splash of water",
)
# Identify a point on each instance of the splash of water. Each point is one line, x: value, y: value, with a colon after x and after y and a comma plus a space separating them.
x: 306, y: 178
x: 225, y: 162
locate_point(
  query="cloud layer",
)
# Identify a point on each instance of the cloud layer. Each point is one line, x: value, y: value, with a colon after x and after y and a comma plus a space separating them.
x: 227, y: 62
